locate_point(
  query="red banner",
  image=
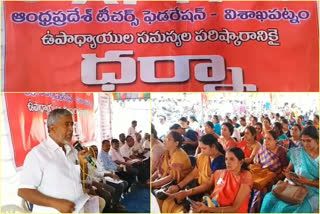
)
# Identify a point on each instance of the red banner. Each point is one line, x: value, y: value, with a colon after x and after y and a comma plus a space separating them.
x: 136, y: 46
x: 28, y: 113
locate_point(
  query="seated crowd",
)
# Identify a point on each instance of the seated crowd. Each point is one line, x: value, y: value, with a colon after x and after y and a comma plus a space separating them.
x: 120, y: 166
x: 231, y: 167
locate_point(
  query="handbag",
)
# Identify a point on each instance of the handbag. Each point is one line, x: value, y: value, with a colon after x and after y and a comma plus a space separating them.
x: 292, y: 194
x: 261, y: 176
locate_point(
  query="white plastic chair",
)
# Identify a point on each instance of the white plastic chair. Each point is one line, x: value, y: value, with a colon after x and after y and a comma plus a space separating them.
x: 12, y: 208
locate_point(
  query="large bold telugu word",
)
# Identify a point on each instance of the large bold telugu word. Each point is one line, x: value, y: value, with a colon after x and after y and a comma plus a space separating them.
x: 159, y: 37
x: 36, y: 107
x: 93, y: 40
x: 53, y: 18
x: 173, y: 15
x: 270, y: 35
x: 148, y: 71
x: 126, y: 15
x: 270, y: 15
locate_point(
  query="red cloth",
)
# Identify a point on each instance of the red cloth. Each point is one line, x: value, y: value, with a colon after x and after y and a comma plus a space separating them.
x: 247, y: 152
x: 259, y: 137
x: 229, y: 144
x: 227, y: 186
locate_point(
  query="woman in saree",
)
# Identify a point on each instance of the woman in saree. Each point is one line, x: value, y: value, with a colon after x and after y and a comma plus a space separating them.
x: 260, y: 133
x: 209, y: 160
x: 232, y: 186
x: 209, y: 129
x: 217, y: 126
x: 175, y: 163
x: 267, y: 124
x: 226, y: 140
x: 304, y: 161
x: 295, y: 140
x: 282, y: 137
x: 249, y: 145
x: 273, y: 157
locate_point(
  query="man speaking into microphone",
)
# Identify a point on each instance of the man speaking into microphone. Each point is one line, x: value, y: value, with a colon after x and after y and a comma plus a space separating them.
x: 52, y: 171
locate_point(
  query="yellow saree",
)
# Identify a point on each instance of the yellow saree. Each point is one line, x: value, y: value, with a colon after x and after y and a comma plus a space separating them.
x: 203, y: 176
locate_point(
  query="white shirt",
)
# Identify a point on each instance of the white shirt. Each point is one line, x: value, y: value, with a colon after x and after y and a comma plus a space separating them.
x: 121, y: 143
x: 52, y: 172
x: 96, y: 173
x: 125, y: 151
x: 195, y: 126
x: 236, y: 134
x: 146, y: 144
x: 115, y: 155
x: 162, y: 129
x: 138, y: 146
x: 132, y: 132
x: 242, y: 128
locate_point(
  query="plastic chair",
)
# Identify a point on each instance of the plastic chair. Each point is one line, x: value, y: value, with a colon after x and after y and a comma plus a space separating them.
x: 102, y: 204
x: 12, y: 208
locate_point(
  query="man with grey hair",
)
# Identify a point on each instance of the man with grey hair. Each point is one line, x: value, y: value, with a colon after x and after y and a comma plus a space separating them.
x: 52, y: 171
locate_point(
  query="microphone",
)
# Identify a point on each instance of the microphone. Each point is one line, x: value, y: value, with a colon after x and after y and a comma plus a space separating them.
x: 79, y: 148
